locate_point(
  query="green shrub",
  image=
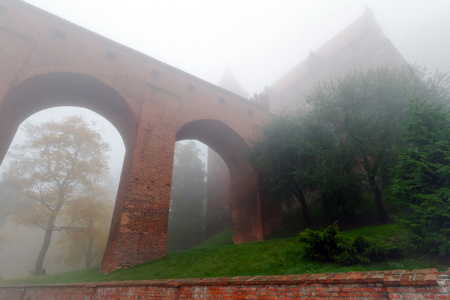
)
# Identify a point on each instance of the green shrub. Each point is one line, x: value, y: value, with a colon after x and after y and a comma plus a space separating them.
x: 329, y: 244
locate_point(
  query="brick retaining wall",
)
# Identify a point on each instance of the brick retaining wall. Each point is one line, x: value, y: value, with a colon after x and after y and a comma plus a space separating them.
x: 399, y: 284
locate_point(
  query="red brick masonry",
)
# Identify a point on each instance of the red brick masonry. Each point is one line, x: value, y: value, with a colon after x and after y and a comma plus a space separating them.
x: 399, y: 284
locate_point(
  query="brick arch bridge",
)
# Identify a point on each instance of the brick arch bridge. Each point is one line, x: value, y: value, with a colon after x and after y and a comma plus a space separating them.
x: 47, y: 62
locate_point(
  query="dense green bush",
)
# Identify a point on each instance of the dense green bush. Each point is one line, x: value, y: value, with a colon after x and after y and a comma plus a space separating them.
x: 329, y: 244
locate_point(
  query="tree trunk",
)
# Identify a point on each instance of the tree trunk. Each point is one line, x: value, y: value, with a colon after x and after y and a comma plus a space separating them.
x: 38, y: 270
x: 305, y: 212
x: 382, y: 214
x: 88, y: 261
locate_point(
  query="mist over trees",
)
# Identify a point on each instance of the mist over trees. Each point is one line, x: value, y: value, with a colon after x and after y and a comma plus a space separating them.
x: 286, y: 159
x: 88, y: 219
x: 10, y: 197
x: 344, y: 145
x: 59, y: 172
x: 187, y: 199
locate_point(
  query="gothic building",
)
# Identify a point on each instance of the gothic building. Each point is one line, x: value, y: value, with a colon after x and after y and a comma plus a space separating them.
x: 361, y: 45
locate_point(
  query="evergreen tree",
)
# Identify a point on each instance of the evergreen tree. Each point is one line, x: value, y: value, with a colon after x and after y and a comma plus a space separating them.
x: 187, y: 198
x: 422, y: 176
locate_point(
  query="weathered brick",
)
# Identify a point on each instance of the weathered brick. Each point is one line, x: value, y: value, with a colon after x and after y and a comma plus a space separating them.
x: 258, y: 287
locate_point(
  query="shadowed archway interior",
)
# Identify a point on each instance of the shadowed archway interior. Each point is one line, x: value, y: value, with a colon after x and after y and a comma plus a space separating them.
x: 244, y: 187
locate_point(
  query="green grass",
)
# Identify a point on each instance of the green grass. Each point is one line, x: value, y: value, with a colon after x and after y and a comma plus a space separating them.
x: 272, y: 257
x: 222, y: 238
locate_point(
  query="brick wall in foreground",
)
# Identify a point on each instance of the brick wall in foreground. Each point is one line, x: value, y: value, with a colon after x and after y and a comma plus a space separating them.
x: 399, y: 284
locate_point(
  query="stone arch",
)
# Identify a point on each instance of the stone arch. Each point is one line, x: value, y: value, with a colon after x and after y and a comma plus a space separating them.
x: 64, y: 89
x: 245, y: 207
x: 70, y: 89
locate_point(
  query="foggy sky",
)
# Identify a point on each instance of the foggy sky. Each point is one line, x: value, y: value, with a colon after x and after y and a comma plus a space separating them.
x: 260, y: 40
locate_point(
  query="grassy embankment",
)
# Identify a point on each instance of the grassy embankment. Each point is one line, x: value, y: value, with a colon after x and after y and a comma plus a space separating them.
x: 217, y: 258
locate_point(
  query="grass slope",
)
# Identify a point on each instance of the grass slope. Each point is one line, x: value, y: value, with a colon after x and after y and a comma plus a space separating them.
x: 273, y: 257
x: 222, y: 238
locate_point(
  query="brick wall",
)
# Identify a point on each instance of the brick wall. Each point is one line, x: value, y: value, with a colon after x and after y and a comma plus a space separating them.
x: 399, y: 284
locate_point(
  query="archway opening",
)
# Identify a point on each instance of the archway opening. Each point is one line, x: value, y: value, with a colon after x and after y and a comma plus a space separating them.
x: 218, y: 193
x: 72, y: 89
x: 186, y: 226
x: 243, y: 185
x: 200, y: 206
x: 22, y: 243
x: 64, y: 89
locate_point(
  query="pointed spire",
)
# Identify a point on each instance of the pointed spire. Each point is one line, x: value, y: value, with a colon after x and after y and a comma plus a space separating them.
x: 230, y: 83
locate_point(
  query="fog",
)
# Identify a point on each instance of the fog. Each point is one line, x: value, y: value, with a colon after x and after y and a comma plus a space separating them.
x: 19, y: 253
x: 258, y: 40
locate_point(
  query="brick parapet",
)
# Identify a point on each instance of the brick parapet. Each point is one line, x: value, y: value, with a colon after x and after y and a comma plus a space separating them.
x: 398, y: 284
